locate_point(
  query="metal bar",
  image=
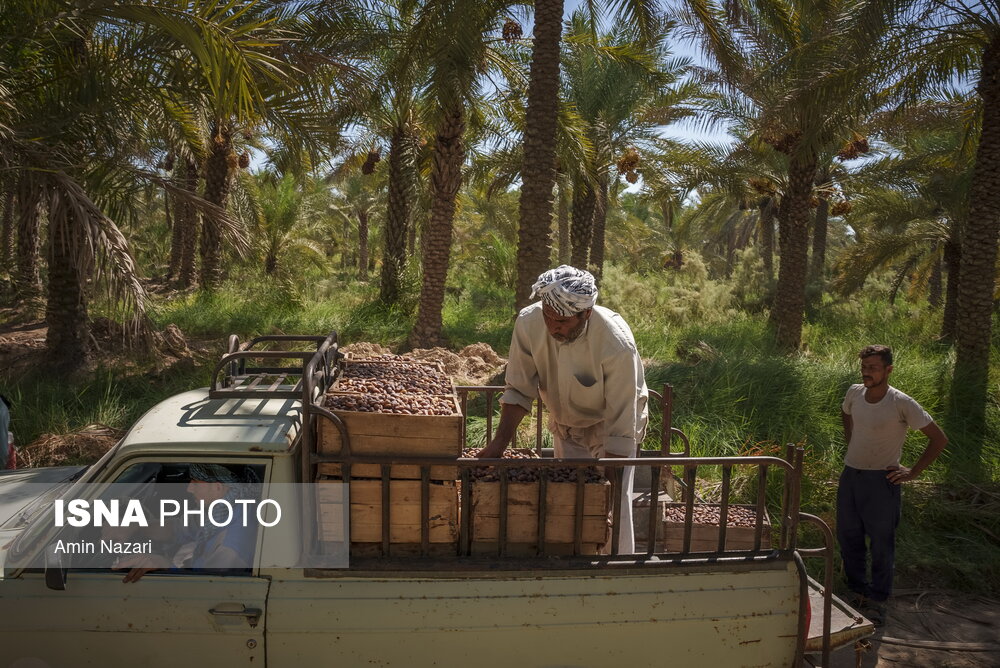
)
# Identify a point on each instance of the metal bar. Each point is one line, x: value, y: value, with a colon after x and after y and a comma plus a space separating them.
x: 758, y: 528
x: 425, y: 510
x: 616, y: 504
x: 772, y: 462
x: 253, y: 383
x: 538, y: 427
x: 345, y: 440
x: 667, y: 404
x: 796, y: 497
x: 786, y: 490
x: 489, y: 418
x: 727, y: 475
x: 827, y: 554
x: 280, y: 381
x: 284, y: 337
x: 578, y: 516
x: 386, y: 537
x: 502, y: 528
x: 803, y: 629
x: 465, y: 526
x: 465, y: 416
x: 270, y: 370
x: 654, y: 509
x: 690, y: 475
x: 543, y: 507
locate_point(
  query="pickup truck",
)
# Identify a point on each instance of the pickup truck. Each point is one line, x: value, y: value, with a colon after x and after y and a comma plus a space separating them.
x: 421, y: 606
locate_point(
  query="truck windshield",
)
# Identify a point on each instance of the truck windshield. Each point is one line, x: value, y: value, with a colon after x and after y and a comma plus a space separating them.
x: 33, y: 516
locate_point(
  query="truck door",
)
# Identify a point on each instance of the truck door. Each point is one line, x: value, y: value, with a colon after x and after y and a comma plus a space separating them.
x: 166, y: 618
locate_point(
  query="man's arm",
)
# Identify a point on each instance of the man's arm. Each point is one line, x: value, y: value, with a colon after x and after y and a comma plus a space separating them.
x: 848, y: 426
x: 935, y: 446
x: 510, y: 417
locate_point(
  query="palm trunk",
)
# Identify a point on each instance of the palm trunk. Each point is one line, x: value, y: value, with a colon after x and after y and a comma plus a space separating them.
x: 218, y: 183
x: 767, y: 210
x: 667, y: 211
x: 363, y: 245
x: 582, y: 226
x: 176, y: 237
x: 7, y: 231
x: 27, y: 277
x: 731, y: 242
x: 68, y: 337
x: 446, y: 179
x: 538, y: 173
x: 934, y: 283
x: 977, y: 280
x: 820, y: 227
x: 564, y: 249
x: 186, y: 220
x: 952, y: 264
x: 793, y: 220
x: 397, y: 219
x: 600, y: 220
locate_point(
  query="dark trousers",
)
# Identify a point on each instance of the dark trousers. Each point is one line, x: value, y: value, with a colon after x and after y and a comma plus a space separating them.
x: 868, y: 506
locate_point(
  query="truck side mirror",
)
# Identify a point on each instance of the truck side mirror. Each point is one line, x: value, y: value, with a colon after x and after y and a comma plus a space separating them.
x: 55, y: 572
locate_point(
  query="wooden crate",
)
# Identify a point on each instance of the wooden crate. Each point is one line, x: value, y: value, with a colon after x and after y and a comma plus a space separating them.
x: 522, y: 512
x: 394, y: 434
x: 705, y: 537
x: 404, y: 512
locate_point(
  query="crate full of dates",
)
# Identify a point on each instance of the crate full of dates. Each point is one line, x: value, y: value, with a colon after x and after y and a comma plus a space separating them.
x: 401, y: 425
x: 523, y: 495
x: 740, y: 528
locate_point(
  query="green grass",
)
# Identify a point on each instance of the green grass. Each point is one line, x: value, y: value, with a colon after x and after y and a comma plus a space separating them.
x: 734, y: 392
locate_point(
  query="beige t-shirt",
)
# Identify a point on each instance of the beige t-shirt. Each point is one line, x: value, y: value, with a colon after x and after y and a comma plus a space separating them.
x: 593, y: 387
x: 879, y: 429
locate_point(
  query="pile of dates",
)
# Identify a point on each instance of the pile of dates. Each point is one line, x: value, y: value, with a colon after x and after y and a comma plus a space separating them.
x: 531, y: 474
x: 393, y: 378
x: 402, y: 404
x: 739, y: 516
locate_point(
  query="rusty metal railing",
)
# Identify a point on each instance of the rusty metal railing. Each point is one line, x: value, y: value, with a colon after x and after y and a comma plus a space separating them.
x: 826, y: 553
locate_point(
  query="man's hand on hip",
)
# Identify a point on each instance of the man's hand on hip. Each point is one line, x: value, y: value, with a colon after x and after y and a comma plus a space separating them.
x: 900, y: 474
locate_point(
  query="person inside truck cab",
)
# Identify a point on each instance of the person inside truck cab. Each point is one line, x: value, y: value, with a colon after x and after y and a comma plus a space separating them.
x: 582, y: 361
x: 211, y: 549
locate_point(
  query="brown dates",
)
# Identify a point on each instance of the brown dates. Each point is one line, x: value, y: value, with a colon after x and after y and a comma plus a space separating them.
x: 403, y: 404
x: 708, y: 514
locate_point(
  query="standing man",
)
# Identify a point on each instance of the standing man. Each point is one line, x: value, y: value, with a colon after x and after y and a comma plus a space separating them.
x: 582, y: 361
x: 876, y: 418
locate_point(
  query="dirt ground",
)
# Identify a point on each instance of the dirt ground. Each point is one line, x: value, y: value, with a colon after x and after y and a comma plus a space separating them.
x: 932, y: 628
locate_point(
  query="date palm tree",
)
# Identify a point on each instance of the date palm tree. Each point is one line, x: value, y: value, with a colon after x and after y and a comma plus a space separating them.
x: 538, y: 173
x: 86, y: 87
x: 456, y: 69
x: 622, y: 86
x: 793, y: 68
x: 961, y: 37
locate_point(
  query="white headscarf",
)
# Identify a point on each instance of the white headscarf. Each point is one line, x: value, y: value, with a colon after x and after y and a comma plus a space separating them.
x: 567, y: 290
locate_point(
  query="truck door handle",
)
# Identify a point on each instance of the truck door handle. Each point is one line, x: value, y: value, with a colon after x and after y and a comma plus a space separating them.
x: 252, y: 614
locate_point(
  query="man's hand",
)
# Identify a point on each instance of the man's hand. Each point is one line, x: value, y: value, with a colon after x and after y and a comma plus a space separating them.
x: 140, y: 565
x: 899, y: 474
x: 492, y: 451
x: 510, y: 416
